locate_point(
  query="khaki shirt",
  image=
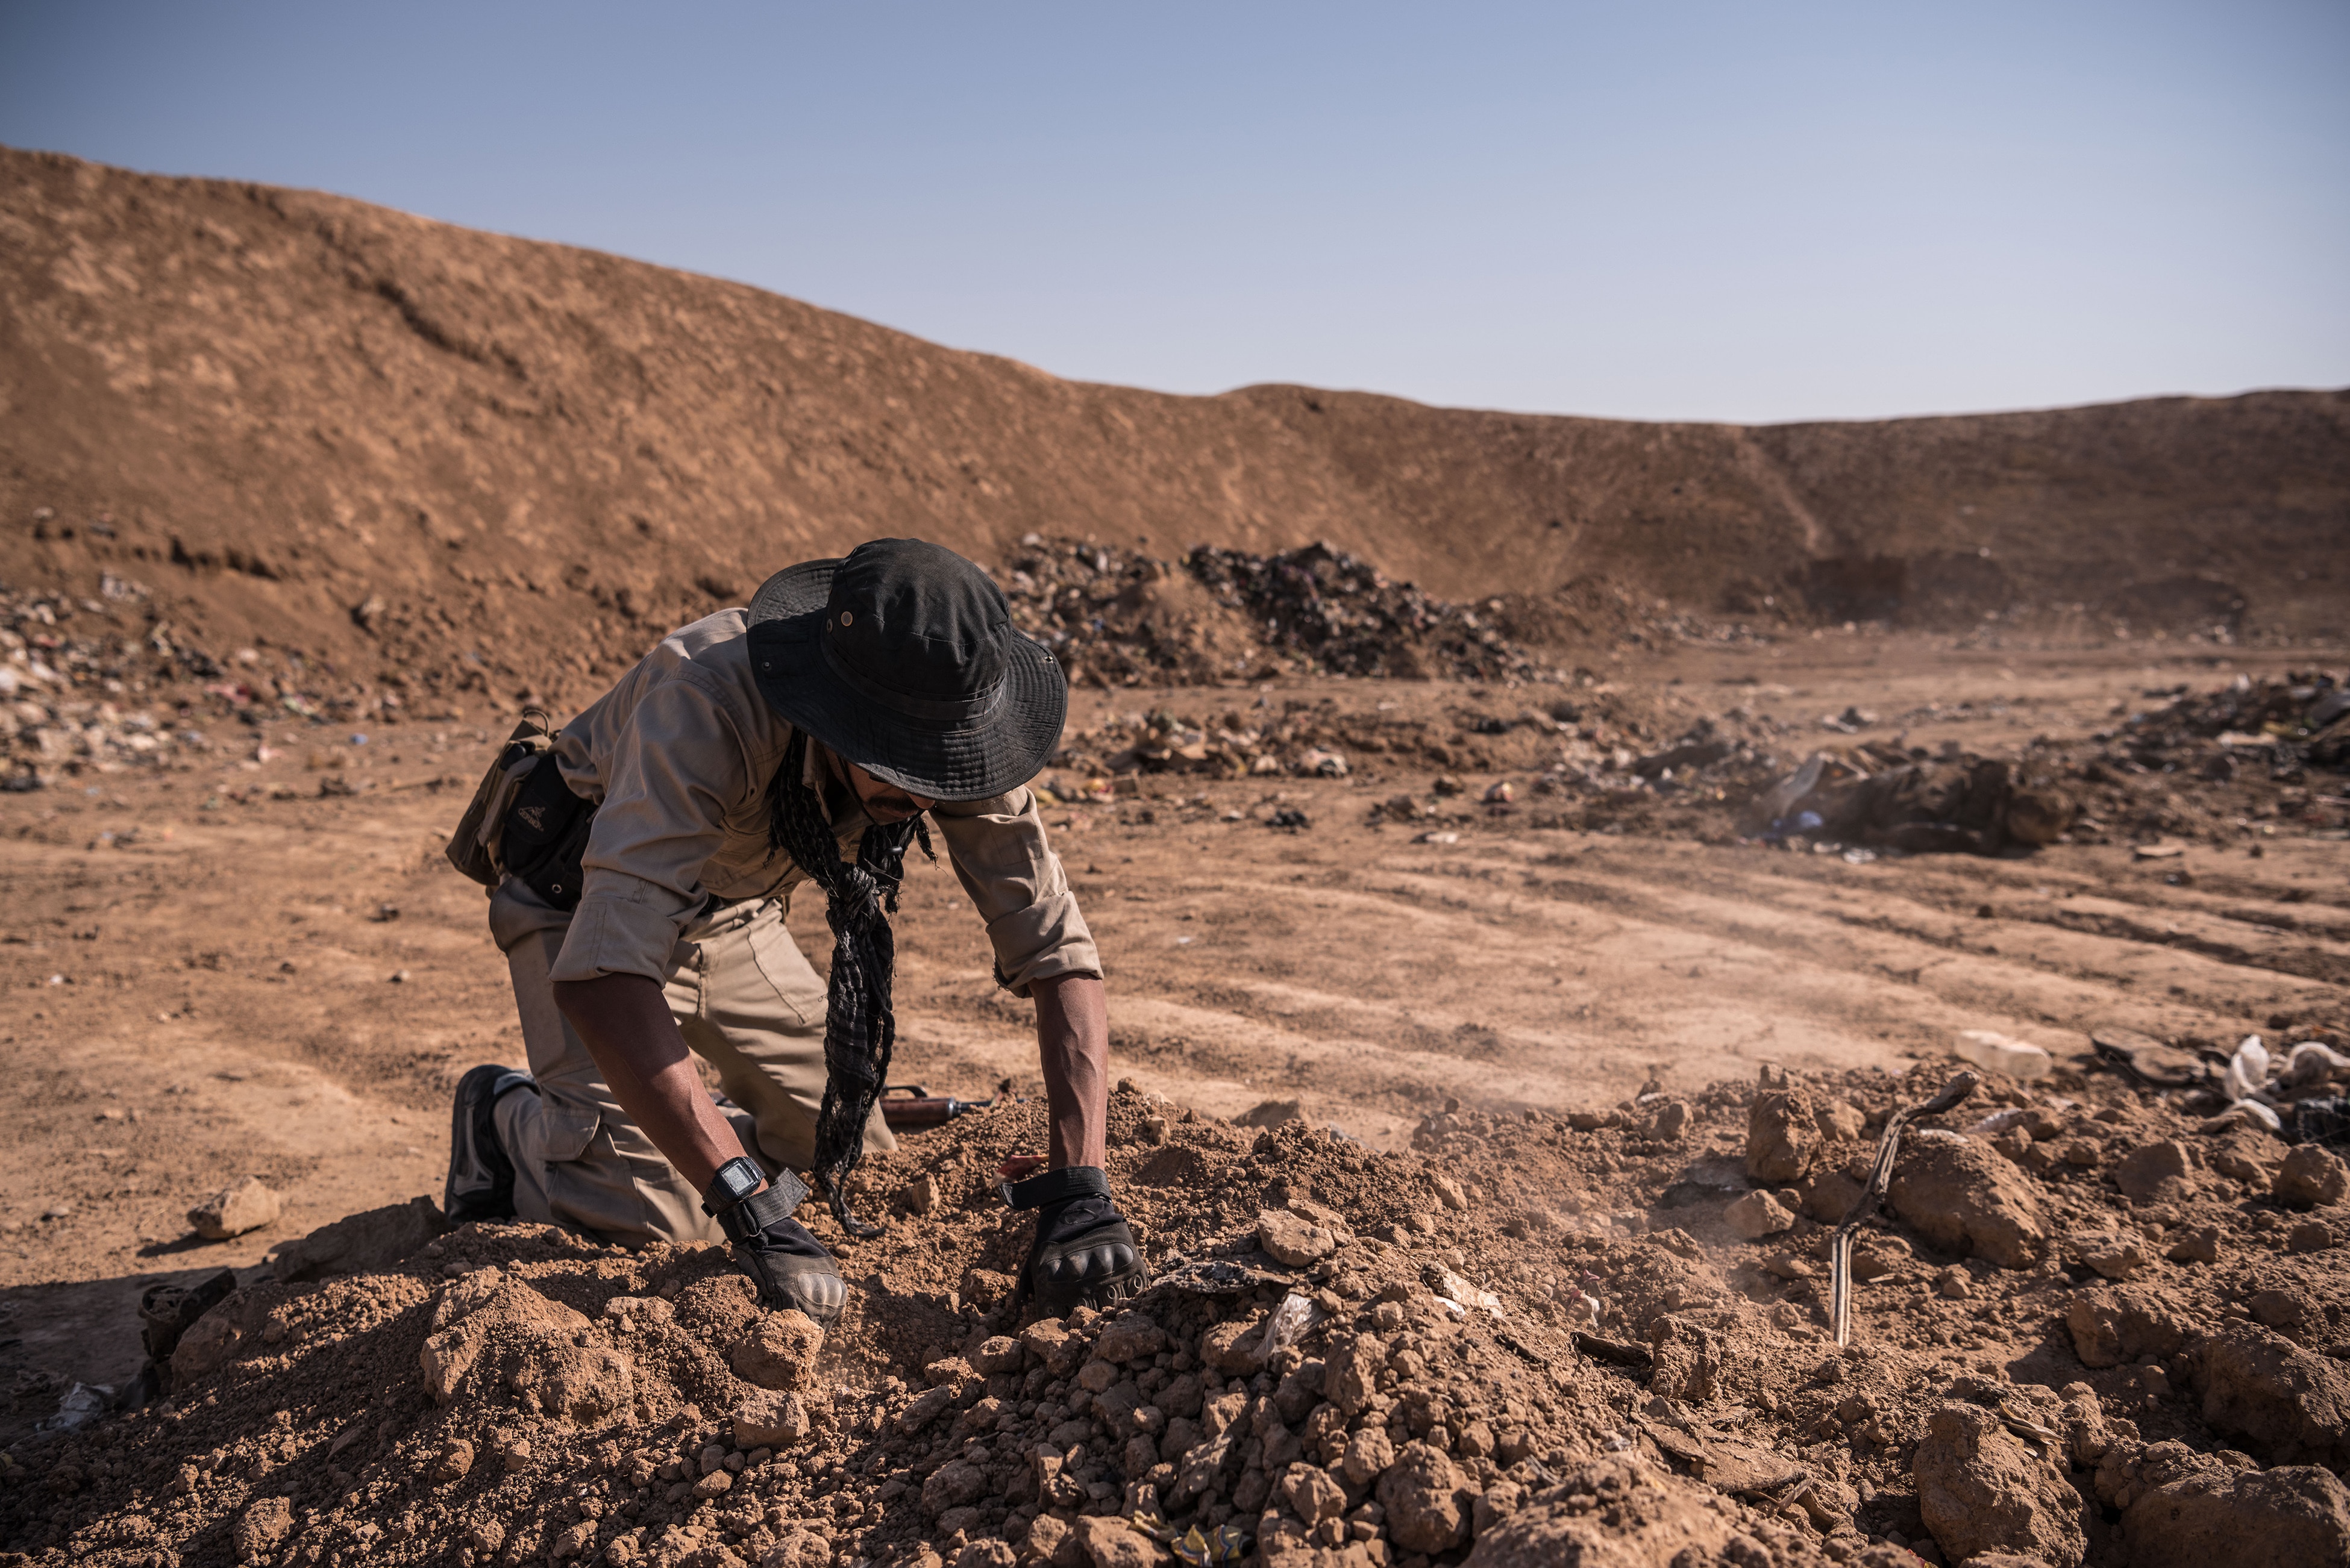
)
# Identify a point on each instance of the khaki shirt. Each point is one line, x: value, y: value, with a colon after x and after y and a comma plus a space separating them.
x: 678, y: 756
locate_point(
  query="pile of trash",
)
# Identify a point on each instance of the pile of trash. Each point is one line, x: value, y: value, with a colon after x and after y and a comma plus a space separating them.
x: 2246, y: 760
x: 78, y: 687
x: 1122, y: 617
x: 2285, y: 725
x: 2088, y: 1327
x: 97, y: 686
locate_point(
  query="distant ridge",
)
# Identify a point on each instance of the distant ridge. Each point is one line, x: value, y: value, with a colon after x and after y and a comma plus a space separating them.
x: 277, y: 407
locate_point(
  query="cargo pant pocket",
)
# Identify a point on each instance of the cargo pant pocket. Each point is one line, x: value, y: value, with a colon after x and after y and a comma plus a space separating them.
x: 566, y: 1129
x: 787, y: 971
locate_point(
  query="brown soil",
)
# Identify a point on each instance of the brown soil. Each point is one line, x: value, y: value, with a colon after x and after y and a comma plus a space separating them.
x: 223, y: 935
x: 440, y: 461
x: 303, y: 496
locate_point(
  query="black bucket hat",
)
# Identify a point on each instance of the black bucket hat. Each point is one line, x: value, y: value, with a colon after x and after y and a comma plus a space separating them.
x: 902, y: 656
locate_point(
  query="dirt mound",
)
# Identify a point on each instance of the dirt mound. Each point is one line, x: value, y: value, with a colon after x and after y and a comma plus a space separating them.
x: 480, y: 464
x: 1583, y: 1338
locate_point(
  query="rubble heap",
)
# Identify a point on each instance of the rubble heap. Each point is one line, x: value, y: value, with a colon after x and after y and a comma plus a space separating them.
x: 77, y: 684
x: 97, y: 686
x: 1123, y: 618
x: 2090, y: 1328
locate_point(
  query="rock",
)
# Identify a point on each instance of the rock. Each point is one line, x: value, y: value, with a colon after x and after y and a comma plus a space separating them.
x: 1293, y: 1240
x: 770, y: 1421
x: 1368, y: 1452
x: 1114, y: 1544
x: 1979, y: 1489
x: 1448, y: 1193
x: 2113, y: 1326
x: 248, y: 1205
x: 1997, y: 1053
x: 1054, y: 1345
x: 779, y: 1352
x: 1494, y: 1504
x: 2115, y: 1257
x: 369, y: 1242
x: 1426, y: 1499
x: 2296, y: 1514
x: 920, y: 1196
x: 1839, y: 1121
x: 1966, y: 1199
x: 2309, y: 1236
x: 2311, y: 1177
x: 263, y: 1528
x: 2156, y: 1173
x: 454, y: 1462
x: 1672, y: 1119
x: 1130, y: 1336
x: 1235, y: 1348
x: 1351, y: 1373
x: 2291, y: 1404
x: 1757, y: 1215
x: 1051, y: 1539
x: 802, y: 1548
x: 924, y: 1410
x: 951, y: 1485
x: 1001, y: 1352
x: 987, y: 1554
x: 1617, y: 1514
x: 1783, y: 1136
x: 963, y: 1380
x: 209, y: 1342
x: 1311, y: 1494
x: 2195, y: 1244
x: 2245, y: 1155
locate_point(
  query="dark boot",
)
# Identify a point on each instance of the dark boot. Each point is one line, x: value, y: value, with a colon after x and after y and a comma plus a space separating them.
x: 481, y: 1173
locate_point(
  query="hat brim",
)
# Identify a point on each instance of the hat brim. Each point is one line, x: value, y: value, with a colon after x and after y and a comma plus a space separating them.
x: 974, y: 759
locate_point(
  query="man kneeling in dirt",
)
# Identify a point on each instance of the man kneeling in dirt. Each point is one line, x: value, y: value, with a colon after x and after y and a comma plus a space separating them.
x: 643, y: 860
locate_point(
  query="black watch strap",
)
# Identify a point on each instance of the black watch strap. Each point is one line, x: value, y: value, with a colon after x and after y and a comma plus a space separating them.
x: 1057, y: 1187
x: 742, y: 1213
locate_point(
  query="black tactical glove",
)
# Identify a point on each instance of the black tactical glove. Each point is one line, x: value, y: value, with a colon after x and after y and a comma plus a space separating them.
x: 790, y: 1268
x: 1083, y: 1253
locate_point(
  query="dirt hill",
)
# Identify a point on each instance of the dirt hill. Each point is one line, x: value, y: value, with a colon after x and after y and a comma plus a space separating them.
x: 305, y: 422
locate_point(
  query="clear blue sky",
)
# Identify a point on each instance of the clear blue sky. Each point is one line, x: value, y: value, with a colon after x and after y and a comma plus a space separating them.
x: 1740, y: 212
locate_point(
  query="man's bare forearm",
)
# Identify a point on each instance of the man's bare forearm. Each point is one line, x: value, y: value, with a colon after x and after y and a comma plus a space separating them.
x: 627, y: 1027
x: 1072, y: 1049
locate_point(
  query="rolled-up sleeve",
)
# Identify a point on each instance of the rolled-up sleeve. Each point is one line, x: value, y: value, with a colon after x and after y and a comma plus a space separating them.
x: 1015, y: 881
x: 667, y: 787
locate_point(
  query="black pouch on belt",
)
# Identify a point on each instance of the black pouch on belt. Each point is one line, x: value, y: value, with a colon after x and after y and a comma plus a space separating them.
x: 547, y: 835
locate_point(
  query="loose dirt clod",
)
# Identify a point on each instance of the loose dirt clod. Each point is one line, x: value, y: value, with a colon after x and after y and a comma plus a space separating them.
x: 248, y: 1205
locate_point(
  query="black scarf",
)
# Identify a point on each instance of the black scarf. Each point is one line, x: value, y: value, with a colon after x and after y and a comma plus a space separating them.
x: 859, y: 1028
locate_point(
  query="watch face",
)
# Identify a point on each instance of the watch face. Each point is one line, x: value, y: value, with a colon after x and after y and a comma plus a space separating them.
x: 739, y: 1177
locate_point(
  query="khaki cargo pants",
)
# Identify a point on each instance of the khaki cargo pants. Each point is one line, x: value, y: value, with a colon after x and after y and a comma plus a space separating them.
x: 747, y: 1003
